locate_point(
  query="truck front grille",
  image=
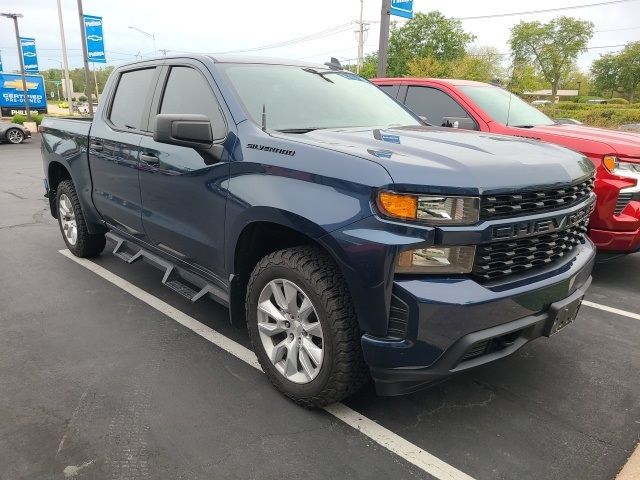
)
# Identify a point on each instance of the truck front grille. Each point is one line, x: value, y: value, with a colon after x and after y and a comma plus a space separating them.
x: 530, y: 202
x: 496, y: 260
x: 623, y: 200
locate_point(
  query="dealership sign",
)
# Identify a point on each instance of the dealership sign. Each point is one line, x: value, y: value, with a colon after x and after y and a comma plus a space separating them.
x: 402, y: 8
x: 12, y: 93
x: 29, y: 55
x: 95, y: 39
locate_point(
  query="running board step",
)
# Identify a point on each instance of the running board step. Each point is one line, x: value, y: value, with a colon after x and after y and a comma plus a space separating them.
x: 185, y: 283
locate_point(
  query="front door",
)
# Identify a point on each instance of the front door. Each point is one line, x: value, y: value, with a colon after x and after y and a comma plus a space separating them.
x: 114, y: 150
x: 183, y: 198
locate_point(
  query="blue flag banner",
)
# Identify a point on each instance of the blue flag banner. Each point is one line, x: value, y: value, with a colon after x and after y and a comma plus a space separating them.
x: 402, y: 8
x: 95, y: 39
x: 29, y: 55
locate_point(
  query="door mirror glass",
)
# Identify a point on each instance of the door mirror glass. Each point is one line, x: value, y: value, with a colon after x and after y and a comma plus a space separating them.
x: 463, y: 123
x: 186, y: 130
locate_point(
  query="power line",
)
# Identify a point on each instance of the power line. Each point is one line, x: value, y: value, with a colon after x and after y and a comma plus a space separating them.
x: 559, y: 9
x: 324, y: 33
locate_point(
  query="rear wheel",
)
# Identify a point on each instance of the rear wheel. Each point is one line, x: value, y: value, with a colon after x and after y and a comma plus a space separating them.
x: 303, y: 327
x: 15, y: 135
x: 72, y: 224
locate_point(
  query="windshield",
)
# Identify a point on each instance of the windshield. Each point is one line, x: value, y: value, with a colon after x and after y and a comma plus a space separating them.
x: 505, y: 107
x: 301, y: 99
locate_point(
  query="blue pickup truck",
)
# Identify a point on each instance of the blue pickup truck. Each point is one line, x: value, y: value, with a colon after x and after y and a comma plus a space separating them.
x: 355, y: 241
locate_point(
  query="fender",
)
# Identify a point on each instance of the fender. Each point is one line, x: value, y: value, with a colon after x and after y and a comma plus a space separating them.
x: 71, y: 153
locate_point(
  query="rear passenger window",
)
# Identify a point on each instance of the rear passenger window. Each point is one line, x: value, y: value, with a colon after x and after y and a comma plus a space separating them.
x: 129, y: 100
x: 433, y: 104
x: 187, y: 91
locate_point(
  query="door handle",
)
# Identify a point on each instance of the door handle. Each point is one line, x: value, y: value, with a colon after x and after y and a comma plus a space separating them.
x: 150, y: 159
x: 96, y: 146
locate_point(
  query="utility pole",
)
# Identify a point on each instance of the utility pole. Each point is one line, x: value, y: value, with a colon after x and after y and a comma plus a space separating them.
x: 15, y: 17
x: 85, y: 55
x: 360, y: 40
x: 67, y: 82
x: 383, y: 47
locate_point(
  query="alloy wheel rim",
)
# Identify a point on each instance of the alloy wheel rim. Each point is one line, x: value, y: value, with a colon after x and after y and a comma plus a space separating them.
x: 290, y: 331
x: 15, y: 136
x: 68, y: 219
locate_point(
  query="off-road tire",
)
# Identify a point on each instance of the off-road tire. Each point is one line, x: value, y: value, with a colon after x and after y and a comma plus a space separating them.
x: 87, y: 245
x: 343, y: 370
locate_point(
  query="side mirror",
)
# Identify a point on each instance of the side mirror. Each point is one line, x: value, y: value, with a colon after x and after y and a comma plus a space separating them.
x: 463, y: 123
x: 185, y: 130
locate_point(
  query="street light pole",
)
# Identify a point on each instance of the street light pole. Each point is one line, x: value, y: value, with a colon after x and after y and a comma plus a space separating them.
x: 15, y: 17
x: 383, y: 47
x: 67, y: 81
x: 152, y: 36
x: 57, y: 85
x: 85, y: 56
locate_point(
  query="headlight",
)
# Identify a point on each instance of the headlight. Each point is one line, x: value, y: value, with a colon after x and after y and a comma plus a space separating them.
x: 432, y: 210
x: 436, y: 260
x: 623, y: 169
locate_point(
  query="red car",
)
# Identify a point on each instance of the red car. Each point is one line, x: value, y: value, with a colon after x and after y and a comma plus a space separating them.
x: 615, y: 224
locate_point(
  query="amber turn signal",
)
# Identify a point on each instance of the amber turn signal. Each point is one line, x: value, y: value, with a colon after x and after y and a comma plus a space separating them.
x: 610, y: 162
x: 398, y: 205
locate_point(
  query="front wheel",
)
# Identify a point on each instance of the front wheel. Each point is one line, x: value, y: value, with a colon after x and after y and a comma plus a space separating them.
x: 303, y: 327
x: 15, y: 135
x: 72, y: 224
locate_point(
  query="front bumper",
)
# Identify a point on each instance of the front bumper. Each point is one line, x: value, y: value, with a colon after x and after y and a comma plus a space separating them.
x: 447, y: 332
x: 616, y: 242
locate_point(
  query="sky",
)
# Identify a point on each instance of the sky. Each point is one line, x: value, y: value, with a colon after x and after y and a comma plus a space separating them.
x: 222, y: 26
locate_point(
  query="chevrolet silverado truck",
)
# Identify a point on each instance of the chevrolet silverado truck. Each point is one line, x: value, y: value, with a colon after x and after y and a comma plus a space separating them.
x: 352, y: 239
x: 615, y: 223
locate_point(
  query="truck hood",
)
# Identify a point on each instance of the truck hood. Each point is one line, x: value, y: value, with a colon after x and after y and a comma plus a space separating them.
x: 446, y: 160
x: 625, y: 144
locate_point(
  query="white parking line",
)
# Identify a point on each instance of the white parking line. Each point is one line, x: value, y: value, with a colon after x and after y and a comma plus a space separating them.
x: 382, y: 436
x: 617, y: 311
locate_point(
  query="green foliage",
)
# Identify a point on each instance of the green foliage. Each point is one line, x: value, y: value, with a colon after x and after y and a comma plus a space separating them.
x: 607, y: 116
x: 426, y: 35
x: 621, y: 70
x: 618, y: 101
x: 370, y: 66
x: 524, y: 78
x: 37, y: 118
x: 82, y: 98
x: 553, y: 46
x: 483, y: 65
x: 19, y: 119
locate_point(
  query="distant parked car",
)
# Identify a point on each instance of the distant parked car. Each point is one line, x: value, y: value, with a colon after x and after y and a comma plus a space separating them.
x: 568, y: 121
x: 597, y: 101
x: 631, y: 127
x: 541, y: 102
x: 13, y: 133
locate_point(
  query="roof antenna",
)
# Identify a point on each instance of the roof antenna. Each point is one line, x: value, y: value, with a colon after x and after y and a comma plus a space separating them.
x: 334, y: 64
x: 264, y: 118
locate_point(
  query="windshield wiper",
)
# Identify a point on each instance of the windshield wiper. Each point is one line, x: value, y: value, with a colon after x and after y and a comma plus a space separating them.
x: 320, y: 74
x: 298, y: 130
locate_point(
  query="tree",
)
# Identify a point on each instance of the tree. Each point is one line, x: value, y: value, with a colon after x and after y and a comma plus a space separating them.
x: 553, y: 46
x: 605, y: 71
x: 426, y: 35
x: 370, y: 66
x: 524, y: 78
x: 482, y: 65
x: 629, y: 68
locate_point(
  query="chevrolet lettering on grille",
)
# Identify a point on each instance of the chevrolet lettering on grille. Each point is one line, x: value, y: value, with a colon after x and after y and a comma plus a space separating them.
x: 547, y: 225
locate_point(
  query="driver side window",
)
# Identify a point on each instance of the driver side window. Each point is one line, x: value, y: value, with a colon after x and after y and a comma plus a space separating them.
x: 187, y: 91
x: 438, y: 107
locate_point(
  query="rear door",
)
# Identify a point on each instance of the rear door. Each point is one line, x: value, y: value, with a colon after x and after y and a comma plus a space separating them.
x: 183, y: 197
x: 114, y: 149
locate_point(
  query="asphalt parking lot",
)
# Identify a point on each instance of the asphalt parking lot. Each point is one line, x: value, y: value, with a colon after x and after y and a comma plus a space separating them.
x: 97, y: 383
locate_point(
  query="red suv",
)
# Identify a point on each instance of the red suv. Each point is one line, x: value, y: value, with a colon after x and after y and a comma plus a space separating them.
x: 615, y: 223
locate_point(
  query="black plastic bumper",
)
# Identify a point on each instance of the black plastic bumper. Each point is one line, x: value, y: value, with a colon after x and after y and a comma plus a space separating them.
x: 472, y: 350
